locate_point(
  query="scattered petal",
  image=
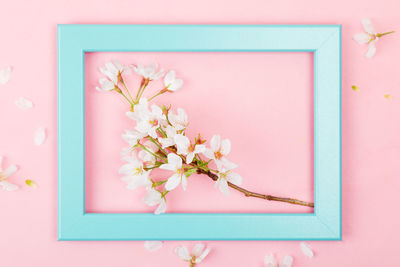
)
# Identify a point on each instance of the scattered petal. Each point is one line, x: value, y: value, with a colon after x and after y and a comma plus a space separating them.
x: 31, y: 183
x: 7, y: 186
x: 287, y: 261
x: 368, y: 26
x: 362, y: 38
x: 40, y: 136
x: 153, y: 245
x: 23, y: 103
x: 270, y: 261
x: 5, y: 75
x: 183, y: 253
x: 371, y: 49
x: 355, y: 88
x: 387, y: 96
x: 306, y: 249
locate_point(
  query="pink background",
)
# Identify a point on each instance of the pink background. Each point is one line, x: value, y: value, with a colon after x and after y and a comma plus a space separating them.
x: 241, y: 96
x: 371, y: 146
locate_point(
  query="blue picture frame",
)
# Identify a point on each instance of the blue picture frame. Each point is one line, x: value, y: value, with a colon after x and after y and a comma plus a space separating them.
x: 325, y: 43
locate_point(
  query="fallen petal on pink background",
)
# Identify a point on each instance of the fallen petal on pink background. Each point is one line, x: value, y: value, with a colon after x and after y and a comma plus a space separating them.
x: 371, y: 130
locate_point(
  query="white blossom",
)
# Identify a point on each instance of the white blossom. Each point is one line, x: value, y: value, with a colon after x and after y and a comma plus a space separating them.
x: 134, y: 173
x: 4, y: 174
x: 169, y: 140
x: 153, y: 198
x: 179, y: 120
x: 199, y: 252
x: 150, y: 122
x: 113, y: 70
x: 226, y: 175
x: 218, y: 150
x: 186, y: 148
x: 132, y: 137
x: 105, y: 85
x: 175, y: 164
x: 147, y: 158
x: 171, y: 83
x: 369, y: 36
x: 149, y: 72
x: 140, y: 110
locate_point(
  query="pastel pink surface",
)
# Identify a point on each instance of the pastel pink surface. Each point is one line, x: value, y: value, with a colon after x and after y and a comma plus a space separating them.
x: 241, y: 96
x: 371, y: 130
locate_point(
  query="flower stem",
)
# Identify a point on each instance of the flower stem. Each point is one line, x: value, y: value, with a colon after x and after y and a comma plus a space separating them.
x: 385, y: 33
x: 121, y: 93
x: 159, y: 93
x: 155, y: 155
x: 141, y: 91
x: 248, y: 193
x: 158, y: 145
x: 126, y: 88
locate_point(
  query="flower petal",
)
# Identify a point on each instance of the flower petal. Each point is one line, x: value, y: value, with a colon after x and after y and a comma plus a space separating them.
x: 223, y: 187
x: 189, y: 157
x: 198, y: 249
x: 183, y: 253
x: 287, y: 261
x: 184, y: 182
x: 225, y: 147
x: 161, y: 208
x: 10, y: 170
x: 152, y: 198
x: 209, y: 153
x: 306, y: 249
x: 182, y: 143
x: 173, y: 182
x: 203, y: 255
x: 5, y: 75
x: 362, y: 38
x: 270, y: 261
x: 234, y: 178
x: 368, y: 26
x: 371, y: 50
x: 153, y: 245
x: 40, y: 136
x: 7, y: 186
x: 1, y: 163
x: 175, y: 85
x: 215, y: 142
x: 23, y: 103
x: 168, y: 167
x: 199, y: 149
x: 169, y: 78
x: 175, y: 160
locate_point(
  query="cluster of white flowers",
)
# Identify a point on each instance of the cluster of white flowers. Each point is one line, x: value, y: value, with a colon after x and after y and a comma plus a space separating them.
x: 158, y: 139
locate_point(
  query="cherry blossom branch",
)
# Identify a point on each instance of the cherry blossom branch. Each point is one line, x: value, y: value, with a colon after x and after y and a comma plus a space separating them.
x: 248, y: 193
